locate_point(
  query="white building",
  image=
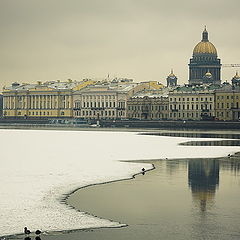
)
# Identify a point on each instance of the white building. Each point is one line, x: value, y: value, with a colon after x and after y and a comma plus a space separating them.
x: 105, y: 99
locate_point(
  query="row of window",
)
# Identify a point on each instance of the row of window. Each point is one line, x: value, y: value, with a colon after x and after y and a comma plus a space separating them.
x: 152, y: 116
x: 97, y: 104
x: 188, y: 107
x: 192, y: 99
x: 221, y: 114
x: 227, y: 105
x: 227, y: 97
x: 87, y: 113
x: 36, y: 105
x: 142, y: 108
x: 87, y: 97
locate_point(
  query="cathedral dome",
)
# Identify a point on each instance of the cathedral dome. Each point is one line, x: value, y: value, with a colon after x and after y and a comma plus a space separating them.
x: 236, y: 77
x: 208, y: 74
x: 172, y: 75
x: 205, y: 47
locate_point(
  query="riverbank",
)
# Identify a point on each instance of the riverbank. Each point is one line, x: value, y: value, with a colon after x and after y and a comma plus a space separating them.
x: 133, y: 124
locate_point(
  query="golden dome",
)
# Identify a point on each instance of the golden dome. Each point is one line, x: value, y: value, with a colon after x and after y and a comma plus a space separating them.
x: 171, y: 74
x: 208, y: 74
x: 236, y: 76
x: 205, y: 47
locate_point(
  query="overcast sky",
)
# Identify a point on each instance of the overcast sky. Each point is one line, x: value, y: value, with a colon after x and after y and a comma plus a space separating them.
x: 140, y: 39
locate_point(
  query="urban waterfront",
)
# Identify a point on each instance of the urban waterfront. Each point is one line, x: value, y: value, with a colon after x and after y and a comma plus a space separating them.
x: 119, y: 120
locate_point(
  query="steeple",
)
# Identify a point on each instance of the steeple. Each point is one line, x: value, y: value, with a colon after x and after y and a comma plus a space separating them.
x: 171, y: 79
x: 237, y: 76
x: 205, y: 35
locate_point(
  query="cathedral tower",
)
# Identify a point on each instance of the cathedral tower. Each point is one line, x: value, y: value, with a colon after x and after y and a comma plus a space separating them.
x: 171, y: 79
x: 203, y: 62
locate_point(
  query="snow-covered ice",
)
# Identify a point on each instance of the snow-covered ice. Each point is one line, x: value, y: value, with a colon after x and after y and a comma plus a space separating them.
x: 38, y: 167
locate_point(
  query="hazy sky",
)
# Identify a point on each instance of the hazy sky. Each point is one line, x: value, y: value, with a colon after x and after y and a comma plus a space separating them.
x: 139, y: 39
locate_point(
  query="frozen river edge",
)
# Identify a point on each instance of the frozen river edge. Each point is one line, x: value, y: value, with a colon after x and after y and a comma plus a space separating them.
x: 40, y: 208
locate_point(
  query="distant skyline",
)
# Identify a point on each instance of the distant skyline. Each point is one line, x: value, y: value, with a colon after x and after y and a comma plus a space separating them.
x: 140, y: 39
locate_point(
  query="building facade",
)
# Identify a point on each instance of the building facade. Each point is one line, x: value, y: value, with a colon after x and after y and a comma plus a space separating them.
x: 192, y: 103
x: 227, y: 103
x: 1, y: 105
x: 149, y: 105
x: 204, y: 60
x: 107, y: 99
x: 42, y: 100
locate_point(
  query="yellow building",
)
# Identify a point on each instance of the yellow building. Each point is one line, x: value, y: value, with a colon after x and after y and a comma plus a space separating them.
x: 41, y: 100
x: 227, y: 103
x: 192, y: 103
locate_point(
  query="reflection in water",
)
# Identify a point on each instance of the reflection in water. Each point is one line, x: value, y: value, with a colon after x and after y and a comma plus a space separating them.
x: 27, y: 238
x: 36, y: 238
x: 173, y: 166
x: 232, y: 164
x: 203, y: 179
x: 195, y: 135
x: 212, y: 143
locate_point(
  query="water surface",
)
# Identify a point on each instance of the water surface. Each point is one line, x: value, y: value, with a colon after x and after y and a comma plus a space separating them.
x: 180, y: 199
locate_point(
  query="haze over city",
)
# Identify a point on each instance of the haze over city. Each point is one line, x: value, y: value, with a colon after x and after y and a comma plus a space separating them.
x: 139, y: 39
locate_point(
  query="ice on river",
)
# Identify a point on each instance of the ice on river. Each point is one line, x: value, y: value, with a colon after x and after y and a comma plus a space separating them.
x: 38, y: 167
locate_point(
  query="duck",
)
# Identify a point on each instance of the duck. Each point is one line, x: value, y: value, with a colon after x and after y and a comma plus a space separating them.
x: 38, y: 232
x: 27, y: 231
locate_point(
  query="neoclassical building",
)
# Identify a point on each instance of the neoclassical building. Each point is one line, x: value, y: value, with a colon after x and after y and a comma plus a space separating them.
x: 107, y: 99
x: 192, y: 102
x: 149, y: 105
x: 227, y: 103
x: 41, y: 100
x: 204, y: 66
